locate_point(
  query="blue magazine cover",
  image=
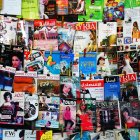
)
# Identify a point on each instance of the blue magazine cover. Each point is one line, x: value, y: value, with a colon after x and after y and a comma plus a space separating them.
x: 66, y: 61
x: 52, y: 64
x: 134, y: 134
x: 87, y: 65
x: 111, y: 88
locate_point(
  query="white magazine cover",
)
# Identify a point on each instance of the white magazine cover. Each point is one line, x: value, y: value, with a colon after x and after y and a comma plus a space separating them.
x: 11, y: 134
x: 12, y: 108
x: 31, y: 107
x: 30, y: 135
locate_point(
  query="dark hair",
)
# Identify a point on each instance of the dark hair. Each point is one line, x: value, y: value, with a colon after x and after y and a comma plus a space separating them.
x: 7, y: 94
x: 122, y: 116
x: 62, y: 86
x: 17, y: 54
x: 82, y: 104
x: 67, y: 107
x: 125, y: 110
x: 136, y: 24
x: 21, y: 134
x: 100, y: 59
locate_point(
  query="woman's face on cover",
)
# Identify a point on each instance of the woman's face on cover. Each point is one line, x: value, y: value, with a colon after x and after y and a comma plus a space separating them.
x: 66, y: 88
x: 125, y: 114
x: 15, y: 62
x: 8, y: 99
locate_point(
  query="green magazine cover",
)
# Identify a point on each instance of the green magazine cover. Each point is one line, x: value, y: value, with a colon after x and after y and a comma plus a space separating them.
x: 30, y: 9
x: 94, y: 11
x: 132, y: 3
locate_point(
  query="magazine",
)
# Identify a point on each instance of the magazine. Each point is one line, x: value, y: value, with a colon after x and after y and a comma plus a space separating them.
x: 107, y: 36
x: 87, y: 65
x: 66, y: 61
x: 47, y: 87
x: 86, y: 114
x: 112, y: 88
x: 107, y: 114
x: 67, y: 118
x: 93, y: 11
x: 13, y: 134
x: 76, y: 7
x: 44, y: 135
x: 66, y: 39
x: 25, y: 82
x: 115, y: 10
x: 34, y: 61
x: 30, y: 135
x: 130, y: 114
x: 12, y: 108
x: 31, y: 107
x: 129, y: 87
x: 92, y: 89
x: 52, y: 64
x: 47, y: 9
x: 107, y: 135
x: 48, y: 112
x: 85, y: 37
x: 7, y: 75
x: 62, y: 7
x: 127, y: 62
x: 67, y: 88
x: 45, y: 35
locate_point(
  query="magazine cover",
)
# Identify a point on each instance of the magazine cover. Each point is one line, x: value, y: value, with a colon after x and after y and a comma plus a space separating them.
x: 129, y: 87
x: 31, y: 107
x: 112, y: 88
x: 48, y: 112
x: 112, y: 58
x: 67, y: 118
x: 92, y: 89
x: 67, y: 88
x: 21, y: 35
x: 129, y: 134
x: 103, y: 68
x: 75, y: 67
x: 44, y: 135
x: 107, y: 36
x: 7, y: 75
x: 66, y: 39
x: 127, y: 62
x: 87, y: 65
x: 30, y: 135
x: 8, y: 30
x: 29, y: 30
x: 47, y: 87
x: 131, y: 27
x: 76, y: 7
x: 107, y: 135
x: 17, y: 57
x: 130, y: 114
x: 52, y: 64
x: 12, y: 134
x: 107, y: 114
x: 66, y: 61
x: 30, y: 10
x: 47, y: 9
x: 34, y: 61
x: 85, y: 37
x: 12, y: 108
x: 93, y: 12
x: 45, y: 35
x: 115, y: 10
x: 138, y: 74
x: 120, y: 35
x: 62, y: 7
x: 86, y: 114
x: 25, y: 82
x: 5, y: 54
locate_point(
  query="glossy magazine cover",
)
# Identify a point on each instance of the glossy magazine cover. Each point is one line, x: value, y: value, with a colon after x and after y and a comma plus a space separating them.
x: 47, y: 87
x: 45, y: 34
x: 12, y: 108
x: 67, y: 118
x: 107, y: 115
x: 52, y: 64
x: 87, y: 65
x: 48, y: 112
